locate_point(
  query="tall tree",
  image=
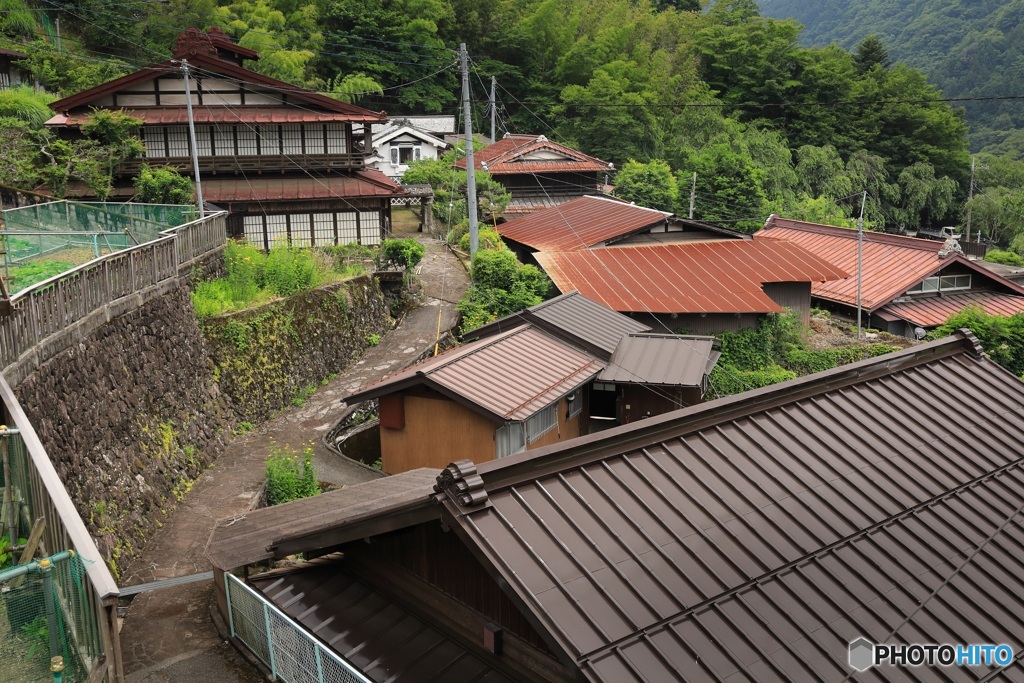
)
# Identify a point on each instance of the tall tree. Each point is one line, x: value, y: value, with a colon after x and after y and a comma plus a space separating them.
x: 870, y: 53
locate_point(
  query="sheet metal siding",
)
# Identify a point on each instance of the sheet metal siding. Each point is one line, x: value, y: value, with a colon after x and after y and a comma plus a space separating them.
x: 708, y: 277
x: 654, y: 359
x: 444, y: 562
x: 641, y: 561
x: 579, y: 224
x: 373, y: 633
x: 935, y: 310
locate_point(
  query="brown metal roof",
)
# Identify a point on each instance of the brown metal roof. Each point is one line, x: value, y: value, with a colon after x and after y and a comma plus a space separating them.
x: 14, y: 54
x: 366, y: 183
x: 932, y: 311
x: 572, y: 317
x: 246, y: 539
x: 704, y: 277
x: 892, y: 264
x: 668, y: 359
x: 580, y: 224
x: 509, y: 376
x: 506, y: 157
x: 754, y: 537
x: 371, y: 632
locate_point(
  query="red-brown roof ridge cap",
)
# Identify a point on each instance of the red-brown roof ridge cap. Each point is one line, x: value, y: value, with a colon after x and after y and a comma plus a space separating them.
x: 905, y: 241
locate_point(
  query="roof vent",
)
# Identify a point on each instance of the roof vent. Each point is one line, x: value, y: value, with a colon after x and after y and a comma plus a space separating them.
x: 463, y: 486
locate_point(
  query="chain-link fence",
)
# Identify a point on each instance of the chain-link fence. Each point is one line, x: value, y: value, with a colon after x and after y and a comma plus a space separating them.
x: 43, y: 607
x: 291, y: 654
x: 68, y: 234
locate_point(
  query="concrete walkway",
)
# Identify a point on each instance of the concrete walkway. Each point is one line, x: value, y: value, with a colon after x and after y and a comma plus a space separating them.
x: 168, y: 634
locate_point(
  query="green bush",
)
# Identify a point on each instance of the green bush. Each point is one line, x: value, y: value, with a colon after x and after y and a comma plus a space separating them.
x: 290, y: 475
x: 404, y: 253
x: 458, y: 230
x: 1006, y: 258
x: 727, y: 380
x: 487, y: 238
x: 495, y: 269
x: 1001, y: 337
x: 290, y: 270
x: 23, y: 277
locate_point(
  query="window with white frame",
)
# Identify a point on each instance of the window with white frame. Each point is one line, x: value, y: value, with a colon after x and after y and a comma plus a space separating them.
x: 509, y: 439
x: 153, y: 137
x: 301, y: 233
x: 203, y: 141
x: 369, y: 227
x: 336, y: 143
x: 177, y: 141
x: 291, y: 139
x: 347, y: 231
x: 314, y: 138
x: 224, y: 141
x: 323, y: 228
x: 252, y: 227
x: 941, y: 283
x: 246, y: 141
x: 277, y: 229
x: 270, y: 141
x: 541, y: 422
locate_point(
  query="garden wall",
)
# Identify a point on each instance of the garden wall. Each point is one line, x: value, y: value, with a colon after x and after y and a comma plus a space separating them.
x: 269, y: 356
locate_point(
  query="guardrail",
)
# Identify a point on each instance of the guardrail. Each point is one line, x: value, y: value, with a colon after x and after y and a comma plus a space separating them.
x: 287, y: 649
x: 40, y: 493
x: 52, y: 305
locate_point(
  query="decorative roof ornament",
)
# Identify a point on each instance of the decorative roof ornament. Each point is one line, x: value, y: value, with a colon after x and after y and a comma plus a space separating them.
x: 192, y: 42
x: 463, y: 486
x: 951, y: 247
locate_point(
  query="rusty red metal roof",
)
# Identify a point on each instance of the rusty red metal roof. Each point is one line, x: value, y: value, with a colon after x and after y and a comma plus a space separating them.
x: 206, y: 114
x: 508, y: 376
x: 705, y: 277
x: 931, y: 311
x: 892, y: 264
x: 580, y: 224
x: 755, y: 537
x: 373, y: 633
x: 366, y: 183
x: 533, y: 154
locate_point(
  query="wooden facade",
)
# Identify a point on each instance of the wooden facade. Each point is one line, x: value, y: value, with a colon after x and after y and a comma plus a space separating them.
x: 436, y: 430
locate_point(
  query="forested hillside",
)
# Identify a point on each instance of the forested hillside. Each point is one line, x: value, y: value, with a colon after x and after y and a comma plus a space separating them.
x: 661, y: 89
x: 969, y: 48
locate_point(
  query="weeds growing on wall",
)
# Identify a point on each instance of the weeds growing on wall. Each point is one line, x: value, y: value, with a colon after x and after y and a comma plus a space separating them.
x: 290, y: 474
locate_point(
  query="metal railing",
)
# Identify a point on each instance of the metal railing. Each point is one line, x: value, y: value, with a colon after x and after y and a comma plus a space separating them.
x: 288, y: 650
x: 51, y: 305
x: 38, y: 493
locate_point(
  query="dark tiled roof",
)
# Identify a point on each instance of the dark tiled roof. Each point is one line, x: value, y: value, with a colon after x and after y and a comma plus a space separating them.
x: 669, y: 359
x: 573, y: 317
x: 753, y: 538
x: 243, y: 540
x: 702, y: 277
x: 892, y: 264
x: 371, y: 632
x: 580, y: 224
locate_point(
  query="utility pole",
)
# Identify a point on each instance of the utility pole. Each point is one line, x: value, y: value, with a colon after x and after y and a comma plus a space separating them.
x: 192, y: 139
x: 493, y: 81
x: 471, y: 208
x: 56, y: 22
x: 970, y: 196
x: 860, y: 258
x: 693, y: 194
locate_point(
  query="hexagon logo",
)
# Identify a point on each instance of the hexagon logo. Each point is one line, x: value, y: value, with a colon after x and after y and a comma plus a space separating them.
x: 862, y: 654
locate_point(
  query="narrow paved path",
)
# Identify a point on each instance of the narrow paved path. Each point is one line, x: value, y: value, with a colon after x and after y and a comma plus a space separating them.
x: 168, y: 634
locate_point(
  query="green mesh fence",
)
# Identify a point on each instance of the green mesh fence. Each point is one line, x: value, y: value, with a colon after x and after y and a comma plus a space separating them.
x: 43, y: 240
x: 41, y: 615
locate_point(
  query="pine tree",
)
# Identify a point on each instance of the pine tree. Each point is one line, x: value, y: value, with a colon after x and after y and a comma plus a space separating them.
x: 871, y: 51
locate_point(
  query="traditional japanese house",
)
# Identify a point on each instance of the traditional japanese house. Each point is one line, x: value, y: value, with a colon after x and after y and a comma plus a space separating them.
x: 284, y: 161
x: 908, y: 285
x: 751, y: 538
x: 11, y: 74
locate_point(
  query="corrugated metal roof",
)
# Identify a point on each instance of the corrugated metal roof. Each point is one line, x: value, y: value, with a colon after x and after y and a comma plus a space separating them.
x: 755, y: 537
x: 371, y: 632
x: 510, y: 375
x: 668, y: 359
x: 892, y: 264
x: 505, y: 157
x: 211, y: 114
x: 244, y: 540
x: 705, y: 277
x: 367, y: 183
x: 580, y: 224
x: 574, y: 316
x: 934, y: 310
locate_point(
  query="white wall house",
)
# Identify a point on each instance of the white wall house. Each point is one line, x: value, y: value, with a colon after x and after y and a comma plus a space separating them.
x: 395, y: 147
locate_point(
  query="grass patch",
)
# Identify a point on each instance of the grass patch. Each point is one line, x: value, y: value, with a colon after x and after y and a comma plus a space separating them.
x: 290, y: 474
x: 24, y: 276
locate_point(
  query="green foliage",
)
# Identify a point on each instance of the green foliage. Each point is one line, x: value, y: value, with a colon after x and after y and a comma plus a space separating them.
x: 163, y: 186
x: 651, y: 184
x: 354, y: 87
x: 500, y: 286
x: 243, y: 427
x: 290, y: 474
x: 487, y: 238
x: 1001, y: 337
x: 1007, y: 258
x: 26, y: 275
x: 290, y: 270
x: 404, y: 253
x: 16, y: 20
x: 6, y: 552
x: 26, y: 105
x: 449, y: 186
x: 373, y: 339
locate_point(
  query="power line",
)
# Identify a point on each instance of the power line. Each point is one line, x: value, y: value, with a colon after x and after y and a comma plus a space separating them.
x: 757, y: 105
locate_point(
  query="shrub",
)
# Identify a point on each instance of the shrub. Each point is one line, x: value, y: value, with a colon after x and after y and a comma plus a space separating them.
x: 1001, y: 337
x: 290, y: 475
x: 404, y: 253
x: 488, y: 238
x: 495, y: 269
x: 164, y: 185
x: 290, y: 270
x: 1006, y: 258
x: 727, y: 380
x: 458, y: 230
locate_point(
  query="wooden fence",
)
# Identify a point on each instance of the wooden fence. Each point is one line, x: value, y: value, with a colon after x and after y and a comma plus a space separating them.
x: 41, y: 492
x: 51, y: 306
